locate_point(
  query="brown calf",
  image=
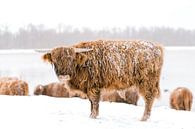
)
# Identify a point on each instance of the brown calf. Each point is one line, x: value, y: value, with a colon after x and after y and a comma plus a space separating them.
x: 57, y: 89
x: 13, y: 86
x: 181, y: 99
x: 129, y: 96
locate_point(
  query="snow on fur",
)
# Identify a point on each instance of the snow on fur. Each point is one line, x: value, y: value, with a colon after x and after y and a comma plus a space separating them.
x: 112, y: 65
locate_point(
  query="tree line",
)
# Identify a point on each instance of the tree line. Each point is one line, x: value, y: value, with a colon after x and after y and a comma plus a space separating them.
x: 38, y: 36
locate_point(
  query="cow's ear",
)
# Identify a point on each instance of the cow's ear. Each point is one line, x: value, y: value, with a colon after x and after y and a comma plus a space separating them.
x: 47, y: 57
x: 81, y: 58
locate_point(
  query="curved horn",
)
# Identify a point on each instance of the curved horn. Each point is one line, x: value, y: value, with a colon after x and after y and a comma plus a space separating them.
x: 78, y: 50
x: 43, y: 50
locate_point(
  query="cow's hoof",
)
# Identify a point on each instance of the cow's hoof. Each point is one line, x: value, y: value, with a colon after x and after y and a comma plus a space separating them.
x: 93, y: 116
x: 144, y: 118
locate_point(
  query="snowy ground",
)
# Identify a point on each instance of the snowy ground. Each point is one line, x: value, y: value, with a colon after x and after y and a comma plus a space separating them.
x: 57, y: 113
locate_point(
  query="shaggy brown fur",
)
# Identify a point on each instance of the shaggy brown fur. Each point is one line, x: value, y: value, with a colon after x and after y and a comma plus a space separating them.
x: 52, y: 89
x: 13, y: 86
x: 111, y: 65
x: 181, y: 99
x: 57, y: 89
x: 129, y: 96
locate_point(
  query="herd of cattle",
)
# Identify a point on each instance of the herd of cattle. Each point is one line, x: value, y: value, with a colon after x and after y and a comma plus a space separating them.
x: 180, y: 99
x: 102, y: 70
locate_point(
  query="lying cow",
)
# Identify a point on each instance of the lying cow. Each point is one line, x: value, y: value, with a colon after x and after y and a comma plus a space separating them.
x: 181, y: 99
x: 97, y: 65
x: 52, y: 89
x: 129, y: 96
x: 13, y: 86
x: 57, y: 89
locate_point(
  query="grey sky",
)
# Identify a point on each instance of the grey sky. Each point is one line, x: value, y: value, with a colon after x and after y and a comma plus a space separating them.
x: 98, y: 14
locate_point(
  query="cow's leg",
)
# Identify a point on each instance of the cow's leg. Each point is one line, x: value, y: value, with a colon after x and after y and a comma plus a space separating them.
x: 190, y: 103
x: 149, y: 99
x: 94, y: 97
x: 176, y: 105
x: 187, y: 104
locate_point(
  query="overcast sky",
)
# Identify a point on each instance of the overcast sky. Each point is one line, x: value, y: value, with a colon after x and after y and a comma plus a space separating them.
x: 98, y: 14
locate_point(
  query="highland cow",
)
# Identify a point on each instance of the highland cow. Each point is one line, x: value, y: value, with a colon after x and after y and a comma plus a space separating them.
x: 57, y: 89
x: 129, y: 96
x: 13, y: 86
x: 97, y: 65
x: 181, y: 99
